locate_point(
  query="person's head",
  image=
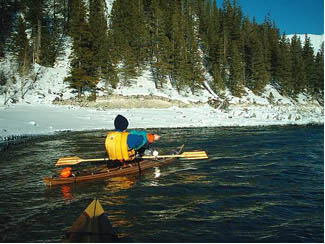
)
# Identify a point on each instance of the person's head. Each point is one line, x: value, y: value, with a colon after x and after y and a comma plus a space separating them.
x: 121, y: 123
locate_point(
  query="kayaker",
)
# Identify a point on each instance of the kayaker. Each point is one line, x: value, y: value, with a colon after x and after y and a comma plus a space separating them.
x: 122, y: 145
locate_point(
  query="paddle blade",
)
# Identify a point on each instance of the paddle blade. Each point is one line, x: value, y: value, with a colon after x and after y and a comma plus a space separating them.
x: 194, y: 155
x: 185, y: 155
x: 68, y: 161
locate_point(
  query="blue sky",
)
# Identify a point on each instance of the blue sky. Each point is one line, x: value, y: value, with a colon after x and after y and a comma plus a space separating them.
x: 290, y: 16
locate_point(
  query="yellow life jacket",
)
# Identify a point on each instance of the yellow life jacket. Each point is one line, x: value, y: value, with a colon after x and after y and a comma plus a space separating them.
x: 117, y: 148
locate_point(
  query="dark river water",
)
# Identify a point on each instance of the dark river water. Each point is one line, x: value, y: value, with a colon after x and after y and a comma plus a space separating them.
x: 260, y: 184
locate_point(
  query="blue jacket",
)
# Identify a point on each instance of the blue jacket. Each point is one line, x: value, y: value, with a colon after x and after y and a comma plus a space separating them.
x: 137, y: 139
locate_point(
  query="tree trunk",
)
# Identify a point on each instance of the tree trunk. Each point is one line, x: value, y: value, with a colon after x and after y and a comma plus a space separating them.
x: 38, y: 41
x: 25, y: 68
x: 37, y: 44
x: 6, y: 94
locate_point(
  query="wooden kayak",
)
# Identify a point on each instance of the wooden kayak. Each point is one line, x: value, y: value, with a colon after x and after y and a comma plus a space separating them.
x: 91, y: 226
x: 104, y: 172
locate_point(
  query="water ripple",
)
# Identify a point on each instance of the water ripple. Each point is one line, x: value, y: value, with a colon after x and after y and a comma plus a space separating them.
x: 258, y: 185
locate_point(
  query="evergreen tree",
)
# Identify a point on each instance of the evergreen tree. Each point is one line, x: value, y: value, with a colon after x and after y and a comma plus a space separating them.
x: 131, y: 36
x: 264, y: 32
x: 309, y: 61
x: 212, y: 36
x: 284, y: 68
x: 236, y: 79
x: 257, y: 74
x: 180, y: 69
x: 224, y: 40
x: 218, y: 83
x: 109, y: 69
x: 203, y: 12
x: 298, y: 74
x: 160, y: 46
x: 247, y: 30
x: 35, y: 16
x: 22, y: 52
x: 50, y: 45
x: 45, y: 19
x: 140, y: 36
x: 193, y: 52
x: 8, y: 9
x: 52, y: 31
x: 120, y: 24
x: 128, y: 68
x: 274, y: 38
x: 318, y: 88
x: 81, y: 74
x: 98, y: 29
x: 236, y: 18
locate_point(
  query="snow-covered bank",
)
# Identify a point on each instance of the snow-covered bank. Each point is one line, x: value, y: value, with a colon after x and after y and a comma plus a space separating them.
x: 36, y: 115
x: 46, y: 119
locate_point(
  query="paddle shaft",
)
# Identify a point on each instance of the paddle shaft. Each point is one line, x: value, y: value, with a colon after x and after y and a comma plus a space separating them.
x: 174, y: 156
x: 93, y: 160
x: 187, y: 155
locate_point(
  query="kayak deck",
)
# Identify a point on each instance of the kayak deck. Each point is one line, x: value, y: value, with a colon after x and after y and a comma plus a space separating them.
x: 92, y: 226
x: 104, y: 172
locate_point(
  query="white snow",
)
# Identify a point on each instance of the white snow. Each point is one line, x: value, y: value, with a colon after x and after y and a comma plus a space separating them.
x: 315, y: 40
x: 36, y: 115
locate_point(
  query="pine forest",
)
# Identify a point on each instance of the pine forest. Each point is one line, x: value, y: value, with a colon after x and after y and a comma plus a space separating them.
x: 177, y: 40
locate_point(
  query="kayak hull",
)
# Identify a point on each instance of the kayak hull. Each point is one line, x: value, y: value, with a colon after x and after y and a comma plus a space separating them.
x: 129, y: 169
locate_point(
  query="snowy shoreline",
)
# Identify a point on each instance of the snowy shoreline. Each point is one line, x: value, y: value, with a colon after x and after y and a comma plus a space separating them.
x: 30, y: 120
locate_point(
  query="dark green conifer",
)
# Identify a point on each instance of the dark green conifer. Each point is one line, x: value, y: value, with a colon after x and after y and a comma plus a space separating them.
x: 109, y: 69
x: 35, y: 15
x: 218, y: 82
x: 98, y: 28
x: 21, y: 48
x: 298, y: 74
x: 274, y: 38
x: 284, y: 68
x: 22, y: 53
x: 160, y: 45
x: 236, y: 80
x: 318, y: 88
x: 82, y: 71
x: 257, y: 75
x: 193, y: 52
x: 180, y: 68
x: 309, y: 63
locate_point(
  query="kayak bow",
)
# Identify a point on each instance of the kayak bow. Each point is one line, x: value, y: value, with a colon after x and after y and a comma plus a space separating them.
x: 91, y: 226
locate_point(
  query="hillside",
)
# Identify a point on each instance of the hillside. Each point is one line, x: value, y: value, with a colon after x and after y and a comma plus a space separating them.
x: 50, y: 104
x: 50, y: 87
x: 144, y: 105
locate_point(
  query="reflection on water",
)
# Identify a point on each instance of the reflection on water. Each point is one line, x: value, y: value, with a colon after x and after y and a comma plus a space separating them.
x: 120, y: 183
x: 114, y: 188
x: 66, y: 192
x: 258, y: 185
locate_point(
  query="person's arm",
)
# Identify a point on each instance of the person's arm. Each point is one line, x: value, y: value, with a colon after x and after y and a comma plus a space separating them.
x: 147, y: 138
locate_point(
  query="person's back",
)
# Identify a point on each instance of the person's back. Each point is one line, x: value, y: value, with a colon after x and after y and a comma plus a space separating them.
x: 121, y: 145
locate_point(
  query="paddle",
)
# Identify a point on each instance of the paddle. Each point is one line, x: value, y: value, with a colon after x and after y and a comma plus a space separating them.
x: 187, y: 155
